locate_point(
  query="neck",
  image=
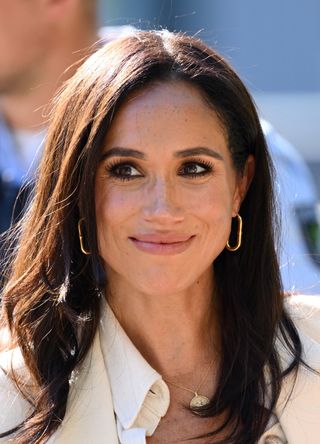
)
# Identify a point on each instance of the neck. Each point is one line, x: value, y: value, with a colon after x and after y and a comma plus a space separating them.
x: 27, y: 107
x: 175, y: 333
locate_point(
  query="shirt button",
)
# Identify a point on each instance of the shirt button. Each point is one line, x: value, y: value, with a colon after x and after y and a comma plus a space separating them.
x: 273, y: 439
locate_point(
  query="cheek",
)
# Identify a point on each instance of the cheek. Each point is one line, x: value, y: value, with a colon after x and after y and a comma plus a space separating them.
x: 216, y: 221
x: 113, y: 209
x: 114, y: 206
x: 213, y: 213
x: 214, y: 204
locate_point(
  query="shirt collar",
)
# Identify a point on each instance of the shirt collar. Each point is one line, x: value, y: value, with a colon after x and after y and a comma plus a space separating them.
x: 140, y: 396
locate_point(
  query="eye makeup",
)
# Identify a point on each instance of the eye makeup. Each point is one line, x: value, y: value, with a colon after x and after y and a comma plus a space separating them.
x: 126, y: 170
x: 123, y: 170
x: 195, y: 168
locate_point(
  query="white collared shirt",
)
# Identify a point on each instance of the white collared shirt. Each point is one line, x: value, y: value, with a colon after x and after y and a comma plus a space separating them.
x: 141, y: 397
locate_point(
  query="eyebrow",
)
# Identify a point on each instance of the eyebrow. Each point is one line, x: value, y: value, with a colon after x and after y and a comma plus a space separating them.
x: 123, y: 152
x: 129, y: 152
x: 197, y: 151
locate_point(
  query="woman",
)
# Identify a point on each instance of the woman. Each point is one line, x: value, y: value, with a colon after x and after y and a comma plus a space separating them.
x: 144, y: 303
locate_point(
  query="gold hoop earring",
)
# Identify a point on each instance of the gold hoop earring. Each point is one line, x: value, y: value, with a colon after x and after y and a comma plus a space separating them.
x: 82, y: 247
x: 239, y: 236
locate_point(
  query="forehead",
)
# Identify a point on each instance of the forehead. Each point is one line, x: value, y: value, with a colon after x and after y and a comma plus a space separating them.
x: 176, y: 96
x: 172, y: 111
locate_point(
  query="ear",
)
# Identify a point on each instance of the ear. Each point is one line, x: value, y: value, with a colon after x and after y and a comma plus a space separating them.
x: 243, y: 183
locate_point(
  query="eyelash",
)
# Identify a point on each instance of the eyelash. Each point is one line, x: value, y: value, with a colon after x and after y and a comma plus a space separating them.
x: 207, y: 166
x: 112, y: 168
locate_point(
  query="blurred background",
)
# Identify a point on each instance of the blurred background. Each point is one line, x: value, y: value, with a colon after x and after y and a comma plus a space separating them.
x: 273, y: 45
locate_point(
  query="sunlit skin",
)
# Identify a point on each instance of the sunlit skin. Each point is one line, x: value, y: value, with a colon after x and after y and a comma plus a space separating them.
x: 166, y: 192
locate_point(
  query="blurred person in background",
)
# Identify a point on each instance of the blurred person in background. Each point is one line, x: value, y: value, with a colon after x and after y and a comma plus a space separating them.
x: 40, y: 43
x: 299, y: 249
x: 39, y: 40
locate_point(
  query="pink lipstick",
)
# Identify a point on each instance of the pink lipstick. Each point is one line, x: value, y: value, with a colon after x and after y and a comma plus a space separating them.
x: 162, y: 244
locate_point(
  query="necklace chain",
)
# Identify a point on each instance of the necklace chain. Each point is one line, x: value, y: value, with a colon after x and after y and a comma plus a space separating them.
x: 195, y: 392
x: 197, y: 400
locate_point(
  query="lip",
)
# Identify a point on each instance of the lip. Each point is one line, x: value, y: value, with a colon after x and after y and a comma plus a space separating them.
x: 162, y: 244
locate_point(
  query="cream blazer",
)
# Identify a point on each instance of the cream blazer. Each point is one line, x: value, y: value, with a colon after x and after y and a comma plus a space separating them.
x: 90, y: 417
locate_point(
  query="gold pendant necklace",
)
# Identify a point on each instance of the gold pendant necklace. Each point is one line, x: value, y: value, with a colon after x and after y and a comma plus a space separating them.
x: 197, y: 400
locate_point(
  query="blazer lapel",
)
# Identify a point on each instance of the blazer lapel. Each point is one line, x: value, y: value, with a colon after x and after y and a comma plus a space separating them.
x: 298, y: 409
x: 89, y: 417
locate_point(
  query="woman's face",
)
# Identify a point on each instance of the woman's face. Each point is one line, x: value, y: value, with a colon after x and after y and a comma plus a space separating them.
x: 165, y: 191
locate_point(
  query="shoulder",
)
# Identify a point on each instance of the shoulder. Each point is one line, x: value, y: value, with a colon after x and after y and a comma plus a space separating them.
x: 298, y: 405
x: 17, y: 407
x: 304, y: 310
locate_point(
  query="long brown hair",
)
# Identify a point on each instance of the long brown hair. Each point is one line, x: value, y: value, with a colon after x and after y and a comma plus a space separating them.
x: 51, y: 303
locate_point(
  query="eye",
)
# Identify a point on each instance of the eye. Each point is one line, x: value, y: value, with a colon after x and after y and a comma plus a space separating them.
x: 123, y: 171
x: 194, y: 169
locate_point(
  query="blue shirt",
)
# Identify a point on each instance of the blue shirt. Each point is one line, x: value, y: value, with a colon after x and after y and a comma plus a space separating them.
x: 11, y: 175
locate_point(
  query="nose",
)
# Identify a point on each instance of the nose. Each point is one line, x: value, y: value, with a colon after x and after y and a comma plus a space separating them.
x: 162, y: 203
